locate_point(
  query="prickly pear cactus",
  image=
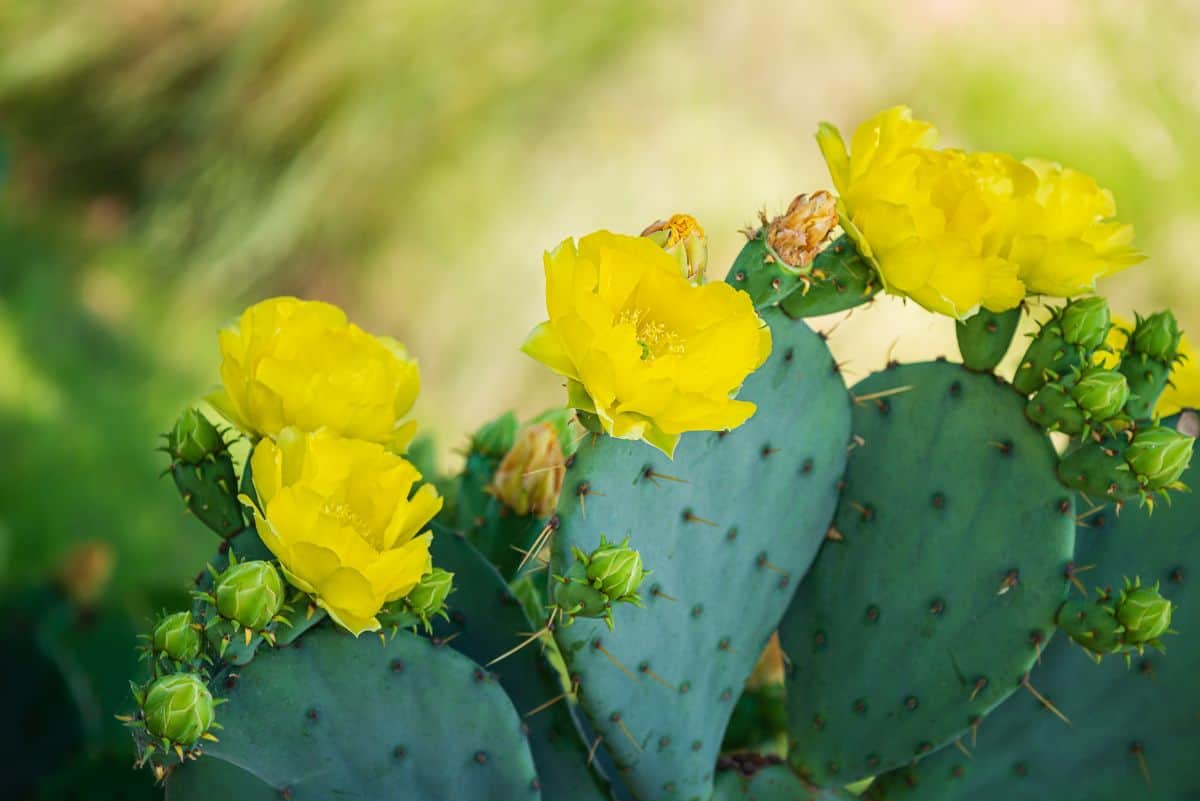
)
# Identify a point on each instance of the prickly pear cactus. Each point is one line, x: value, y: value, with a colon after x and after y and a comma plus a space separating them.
x: 947, y: 568
x: 1133, y: 731
x: 484, y: 620
x: 728, y: 528
x: 332, y: 714
x: 750, y: 777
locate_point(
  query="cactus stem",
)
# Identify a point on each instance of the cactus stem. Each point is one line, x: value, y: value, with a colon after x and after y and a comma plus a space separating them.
x: 870, y: 396
x: 621, y: 724
x: 1140, y: 754
x: 958, y: 743
x: 600, y: 647
x: 1043, y: 700
x: 592, y: 749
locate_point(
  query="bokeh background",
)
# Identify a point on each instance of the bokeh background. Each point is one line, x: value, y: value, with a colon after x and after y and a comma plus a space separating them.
x: 164, y: 164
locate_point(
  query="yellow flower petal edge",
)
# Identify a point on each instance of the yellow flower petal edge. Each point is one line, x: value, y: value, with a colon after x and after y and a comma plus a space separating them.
x: 958, y: 231
x: 290, y: 362
x: 649, y: 354
x: 341, y: 517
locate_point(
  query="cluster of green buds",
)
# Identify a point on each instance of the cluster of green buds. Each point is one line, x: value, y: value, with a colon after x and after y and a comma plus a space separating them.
x: 247, y: 597
x: 683, y: 238
x: 175, y: 713
x: 1066, y: 343
x: 610, y: 574
x: 1083, y: 402
x: 1135, y: 619
x: 1138, y: 463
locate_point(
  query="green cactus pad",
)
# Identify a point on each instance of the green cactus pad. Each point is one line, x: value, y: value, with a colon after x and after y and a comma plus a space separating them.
x: 931, y: 606
x: 209, y: 490
x: 485, y: 620
x: 766, y: 783
x: 728, y: 529
x: 1121, y: 717
x: 337, y: 717
x: 986, y: 336
x: 849, y: 281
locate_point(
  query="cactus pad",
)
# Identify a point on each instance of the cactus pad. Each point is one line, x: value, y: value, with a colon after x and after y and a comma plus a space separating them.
x: 743, y: 779
x: 948, y: 571
x: 337, y: 717
x: 728, y: 528
x: 1134, y: 731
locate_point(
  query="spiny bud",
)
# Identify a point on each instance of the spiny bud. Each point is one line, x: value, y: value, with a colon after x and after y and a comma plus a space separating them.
x: 178, y: 708
x: 682, y: 237
x: 176, y: 637
x: 1144, y: 613
x: 616, y: 570
x: 496, y: 437
x: 193, y: 438
x: 249, y: 593
x: 1085, y: 322
x: 1092, y: 625
x: 1101, y: 393
x: 530, y: 476
x: 428, y: 598
x: 1158, y: 456
x: 1157, y: 336
x: 84, y: 573
x: 575, y: 597
x: 800, y: 233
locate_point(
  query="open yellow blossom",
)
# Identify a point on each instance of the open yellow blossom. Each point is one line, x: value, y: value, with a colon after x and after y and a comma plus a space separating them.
x: 291, y: 362
x: 337, y: 514
x: 650, y: 355
x: 959, y: 231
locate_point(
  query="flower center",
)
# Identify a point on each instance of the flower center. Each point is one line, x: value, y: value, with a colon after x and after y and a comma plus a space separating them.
x: 345, y: 515
x: 654, y: 337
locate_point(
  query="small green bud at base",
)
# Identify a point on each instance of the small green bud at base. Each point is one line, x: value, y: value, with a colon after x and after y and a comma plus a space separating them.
x: 616, y: 570
x: 178, y: 708
x: 176, y: 637
x: 193, y: 438
x: 575, y: 597
x: 1085, y: 322
x: 1157, y: 336
x: 1158, y: 456
x: 1101, y: 394
x: 249, y: 593
x: 1092, y: 625
x: 1144, y: 613
x: 428, y: 598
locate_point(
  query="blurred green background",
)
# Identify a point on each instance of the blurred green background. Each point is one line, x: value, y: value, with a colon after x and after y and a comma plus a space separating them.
x: 167, y: 163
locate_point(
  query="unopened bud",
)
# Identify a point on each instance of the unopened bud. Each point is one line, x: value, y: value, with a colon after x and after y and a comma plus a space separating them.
x: 616, y: 570
x: 249, y: 593
x: 1144, y: 613
x: 1157, y: 336
x: 178, y: 708
x: 1086, y: 322
x: 1159, y: 456
x: 176, y: 637
x: 193, y: 438
x: 682, y: 237
x: 1101, y: 393
x: 800, y: 233
x: 530, y: 477
x: 428, y: 598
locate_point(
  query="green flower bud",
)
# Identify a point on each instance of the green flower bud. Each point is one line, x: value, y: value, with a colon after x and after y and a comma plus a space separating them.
x: 176, y: 637
x: 1092, y: 625
x: 1144, y: 613
x: 1158, y: 456
x: 615, y: 570
x: 1157, y: 336
x: 178, y: 708
x: 1101, y: 394
x: 1085, y: 322
x: 249, y: 593
x: 576, y: 597
x: 428, y: 598
x: 194, y: 438
x: 496, y: 438
x: 1054, y: 409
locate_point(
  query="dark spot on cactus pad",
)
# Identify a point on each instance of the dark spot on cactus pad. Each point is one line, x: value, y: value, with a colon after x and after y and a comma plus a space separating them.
x: 664, y: 741
x: 311, y: 714
x: 924, y: 748
x: 399, y: 753
x: 776, y: 283
x: 872, y: 614
x: 397, y: 666
x: 789, y: 354
x: 1177, y: 575
x: 957, y: 771
x: 938, y: 500
x: 872, y: 760
x: 739, y: 276
x: 1064, y: 506
x: 860, y: 706
x: 685, y: 687
x: 833, y: 768
x: 697, y: 610
x: 723, y: 644
x: 937, y: 607
x: 481, y: 757
x: 911, y: 702
x: 583, y: 489
x: 697, y: 745
x: 1021, y: 769
x: 806, y: 466
x: 570, y: 462
x: 731, y: 535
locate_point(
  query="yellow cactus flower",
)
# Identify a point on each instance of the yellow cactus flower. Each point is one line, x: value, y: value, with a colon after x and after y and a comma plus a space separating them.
x: 649, y: 354
x: 338, y: 515
x: 959, y: 231
x: 290, y: 362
